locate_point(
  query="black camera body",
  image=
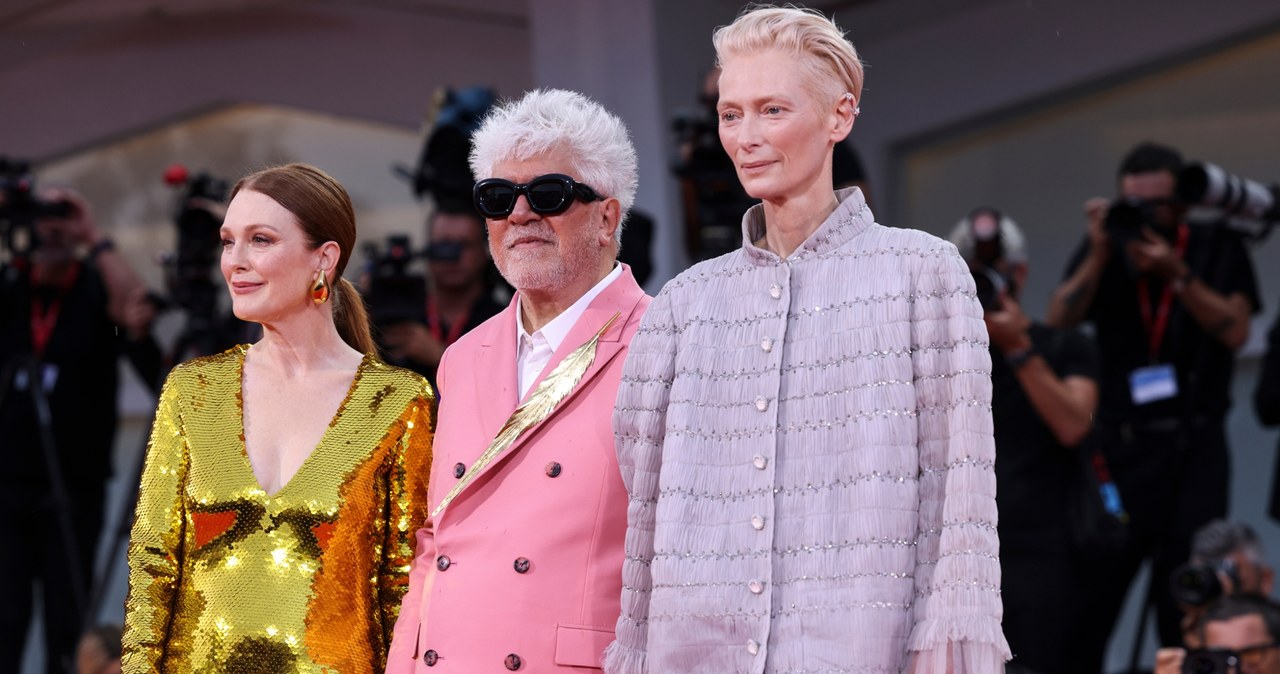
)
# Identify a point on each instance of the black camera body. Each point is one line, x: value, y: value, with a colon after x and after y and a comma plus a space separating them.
x: 1197, y: 584
x: 395, y: 294
x: 442, y: 169
x: 1211, y: 661
x: 191, y: 283
x: 990, y: 285
x: 20, y: 207
x: 1126, y: 218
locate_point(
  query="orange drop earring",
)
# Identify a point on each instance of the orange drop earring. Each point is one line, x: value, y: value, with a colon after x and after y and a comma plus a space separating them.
x: 320, y: 289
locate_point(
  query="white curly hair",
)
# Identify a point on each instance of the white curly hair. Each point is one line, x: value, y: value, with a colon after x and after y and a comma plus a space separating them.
x: 555, y: 120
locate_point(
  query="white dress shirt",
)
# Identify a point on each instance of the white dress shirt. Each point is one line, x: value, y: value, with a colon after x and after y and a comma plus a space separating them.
x: 533, y: 352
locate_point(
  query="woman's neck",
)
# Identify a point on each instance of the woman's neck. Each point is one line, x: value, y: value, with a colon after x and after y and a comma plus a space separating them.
x: 789, y: 221
x: 300, y: 344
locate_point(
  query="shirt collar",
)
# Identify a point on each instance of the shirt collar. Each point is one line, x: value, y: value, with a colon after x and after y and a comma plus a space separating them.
x: 558, y: 328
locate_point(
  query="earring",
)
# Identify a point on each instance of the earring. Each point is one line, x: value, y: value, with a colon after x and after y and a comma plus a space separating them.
x: 320, y: 289
x: 854, y: 102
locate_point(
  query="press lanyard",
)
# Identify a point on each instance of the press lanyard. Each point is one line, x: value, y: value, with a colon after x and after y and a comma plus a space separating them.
x: 1155, y: 327
x: 433, y: 323
x: 44, y: 319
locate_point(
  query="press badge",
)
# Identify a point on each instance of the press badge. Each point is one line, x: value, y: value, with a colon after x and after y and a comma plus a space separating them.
x: 1149, y: 384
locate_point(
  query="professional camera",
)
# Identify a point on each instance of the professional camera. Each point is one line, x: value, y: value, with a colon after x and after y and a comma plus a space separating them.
x: 396, y: 295
x: 1211, y: 661
x: 1247, y: 206
x: 1194, y: 584
x: 714, y: 198
x: 20, y: 207
x: 442, y: 166
x: 1126, y: 218
x: 990, y: 285
x: 189, y: 271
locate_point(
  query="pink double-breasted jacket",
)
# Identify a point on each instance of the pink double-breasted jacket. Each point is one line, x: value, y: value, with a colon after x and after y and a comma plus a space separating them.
x: 522, y: 571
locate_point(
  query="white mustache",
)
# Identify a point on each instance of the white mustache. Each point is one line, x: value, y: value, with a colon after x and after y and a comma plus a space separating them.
x: 515, y: 234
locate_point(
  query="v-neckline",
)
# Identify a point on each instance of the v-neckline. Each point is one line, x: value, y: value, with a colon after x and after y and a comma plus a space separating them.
x: 328, y: 430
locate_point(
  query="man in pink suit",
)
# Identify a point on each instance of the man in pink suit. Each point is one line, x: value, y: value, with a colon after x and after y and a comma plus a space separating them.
x: 519, y: 566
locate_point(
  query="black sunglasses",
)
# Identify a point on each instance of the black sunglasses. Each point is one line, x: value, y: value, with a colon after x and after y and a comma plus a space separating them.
x: 549, y: 194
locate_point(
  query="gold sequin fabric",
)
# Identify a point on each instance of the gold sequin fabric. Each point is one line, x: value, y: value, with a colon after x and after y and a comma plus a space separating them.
x: 224, y: 577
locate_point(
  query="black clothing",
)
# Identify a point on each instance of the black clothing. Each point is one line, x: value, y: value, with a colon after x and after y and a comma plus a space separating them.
x: 1169, y: 458
x: 1215, y: 257
x: 1266, y: 402
x: 78, y: 374
x: 83, y: 351
x: 1033, y: 470
x: 1170, y: 489
x: 1035, y: 473
x: 637, y: 245
x: 36, y: 551
x: 484, y: 308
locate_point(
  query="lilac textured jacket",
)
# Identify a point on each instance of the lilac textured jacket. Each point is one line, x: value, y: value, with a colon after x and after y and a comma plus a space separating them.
x: 808, y: 448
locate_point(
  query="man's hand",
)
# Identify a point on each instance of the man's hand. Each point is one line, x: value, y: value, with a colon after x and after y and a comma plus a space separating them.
x: 414, y: 342
x: 138, y: 314
x: 1071, y: 301
x: 1151, y: 254
x: 1095, y: 213
x: 78, y: 226
x: 1008, y: 326
x: 1169, y: 661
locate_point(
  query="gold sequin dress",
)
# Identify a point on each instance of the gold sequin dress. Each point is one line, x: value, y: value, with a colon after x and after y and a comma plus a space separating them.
x: 226, y: 578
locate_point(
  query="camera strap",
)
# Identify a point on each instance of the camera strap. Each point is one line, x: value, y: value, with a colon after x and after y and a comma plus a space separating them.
x: 1157, y: 325
x: 45, y: 318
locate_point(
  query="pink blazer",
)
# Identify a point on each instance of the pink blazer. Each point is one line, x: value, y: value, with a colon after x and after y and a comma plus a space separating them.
x: 523, y: 570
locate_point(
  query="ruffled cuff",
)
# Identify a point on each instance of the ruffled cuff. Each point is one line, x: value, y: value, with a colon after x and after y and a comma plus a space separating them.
x: 974, y: 645
x: 619, y: 659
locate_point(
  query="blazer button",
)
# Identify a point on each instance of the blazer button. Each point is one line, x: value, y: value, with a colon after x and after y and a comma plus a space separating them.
x: 553, y: 469
x: 513, y: 662
x: 443, y: 562
x: 459, y: 470
x: 521, y: 565
x: 429, y: 658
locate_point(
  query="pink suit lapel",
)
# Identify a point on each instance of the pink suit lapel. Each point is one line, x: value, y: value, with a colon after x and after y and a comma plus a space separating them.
x: 622, y: 296
x: 496, y: 391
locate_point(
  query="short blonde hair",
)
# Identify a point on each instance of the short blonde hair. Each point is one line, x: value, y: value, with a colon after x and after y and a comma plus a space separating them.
x: 830, y: 63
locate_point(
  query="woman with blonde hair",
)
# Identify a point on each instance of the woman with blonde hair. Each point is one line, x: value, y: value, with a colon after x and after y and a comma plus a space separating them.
x: 284, y: 479
x: 804, y: 424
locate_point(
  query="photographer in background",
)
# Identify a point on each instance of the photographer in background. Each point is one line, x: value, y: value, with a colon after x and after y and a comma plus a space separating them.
x: 69, y: 307
x: 1170, y: 302
x: 1226, y: 559
x: 1266, y: 403
x: 1240, y: 634
x: 459, y: 297
x: 1044, y: 391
